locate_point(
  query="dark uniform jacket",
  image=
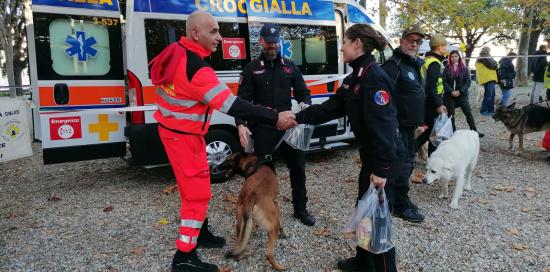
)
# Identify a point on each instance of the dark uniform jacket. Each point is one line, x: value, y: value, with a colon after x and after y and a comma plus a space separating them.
x: 272, y: 84
x: 405, y: 73
x: 366, y: 98
x: 461, y: 82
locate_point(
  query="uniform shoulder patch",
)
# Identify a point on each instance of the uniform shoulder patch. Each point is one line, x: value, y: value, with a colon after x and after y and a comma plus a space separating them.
x: 382, y: 97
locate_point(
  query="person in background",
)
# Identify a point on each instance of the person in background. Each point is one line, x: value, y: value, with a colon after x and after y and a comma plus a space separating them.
x: 271, y: 81
x: 367, y: 98
x: 432, y: 71
x: 486, y: 74
x: 506, y: 77
x: 188, y: 93
x: 456, y: 82
x: 404, y: 68
x: 538, y: 68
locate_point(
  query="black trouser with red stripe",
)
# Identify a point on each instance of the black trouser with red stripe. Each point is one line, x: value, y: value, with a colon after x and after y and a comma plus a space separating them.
x: 383, y: 262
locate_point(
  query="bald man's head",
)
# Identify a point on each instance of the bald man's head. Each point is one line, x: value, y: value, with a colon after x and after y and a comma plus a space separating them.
x: 202, y: 28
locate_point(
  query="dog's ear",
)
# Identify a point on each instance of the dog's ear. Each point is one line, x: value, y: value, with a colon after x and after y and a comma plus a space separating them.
x: 512, y: 106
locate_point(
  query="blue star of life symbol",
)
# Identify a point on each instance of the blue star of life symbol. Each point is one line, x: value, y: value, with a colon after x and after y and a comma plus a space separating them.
x: 285, y: 48
x: 81, y: 46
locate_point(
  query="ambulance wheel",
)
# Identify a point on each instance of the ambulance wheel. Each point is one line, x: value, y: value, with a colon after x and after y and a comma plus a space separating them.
x: 219, y: 145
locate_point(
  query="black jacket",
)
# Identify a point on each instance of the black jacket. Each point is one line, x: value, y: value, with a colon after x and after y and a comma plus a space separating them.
x: 409, y: 96
x: 538, y: 66
x: 272, y: 83
x: 366, y: 97
x: 507, y: 72
x: 461, y: 82
x: 433, y: 100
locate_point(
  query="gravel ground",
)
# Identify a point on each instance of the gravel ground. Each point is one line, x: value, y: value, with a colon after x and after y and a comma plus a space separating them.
x: 104, y: 215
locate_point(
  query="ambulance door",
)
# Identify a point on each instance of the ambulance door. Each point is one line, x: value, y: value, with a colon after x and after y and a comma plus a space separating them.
x: 75, y: 50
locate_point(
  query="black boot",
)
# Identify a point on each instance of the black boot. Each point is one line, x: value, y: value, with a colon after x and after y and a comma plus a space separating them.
x: 207, y: 239
x: 409, y: 214
x: 189, y: 262
x: 301, y: 213
x: 350, y: 264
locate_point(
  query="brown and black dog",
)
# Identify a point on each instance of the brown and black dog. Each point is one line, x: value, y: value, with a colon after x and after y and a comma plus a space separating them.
x: 257, y: 204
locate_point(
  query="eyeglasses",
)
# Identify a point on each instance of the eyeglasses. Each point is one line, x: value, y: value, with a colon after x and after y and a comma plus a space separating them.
x: 413, y: 41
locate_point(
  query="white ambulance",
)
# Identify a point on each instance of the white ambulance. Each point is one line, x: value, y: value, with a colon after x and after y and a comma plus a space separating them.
x: 90, y: 75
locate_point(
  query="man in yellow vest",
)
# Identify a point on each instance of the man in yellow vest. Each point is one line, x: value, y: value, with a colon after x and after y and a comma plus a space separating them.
x: 432, y: 74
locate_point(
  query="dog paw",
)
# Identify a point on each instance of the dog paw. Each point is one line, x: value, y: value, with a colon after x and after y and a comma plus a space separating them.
x: 453, y: 205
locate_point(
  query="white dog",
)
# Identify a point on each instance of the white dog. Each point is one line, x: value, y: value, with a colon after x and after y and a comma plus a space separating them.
x: 454, y: 159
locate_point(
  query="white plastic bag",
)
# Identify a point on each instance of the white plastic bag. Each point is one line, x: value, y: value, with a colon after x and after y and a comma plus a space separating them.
x: 371, y: 225
x: 442, y: 130
x: 299, y: 137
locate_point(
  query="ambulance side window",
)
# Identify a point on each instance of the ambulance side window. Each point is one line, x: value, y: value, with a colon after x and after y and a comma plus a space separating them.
x: 232, y: 53
x: 313, y: 48
x: 77, y: 47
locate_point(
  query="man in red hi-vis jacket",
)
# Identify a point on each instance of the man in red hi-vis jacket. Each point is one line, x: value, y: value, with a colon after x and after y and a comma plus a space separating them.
x: 188, y: 92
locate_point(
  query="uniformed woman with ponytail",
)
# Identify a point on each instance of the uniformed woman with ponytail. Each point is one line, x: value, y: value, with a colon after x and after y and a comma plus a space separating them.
x: 366, y: 97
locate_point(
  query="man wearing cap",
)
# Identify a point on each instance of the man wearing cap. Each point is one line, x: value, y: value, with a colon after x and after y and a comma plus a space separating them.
x: 404, y: 68
x: 432, y: 72
x: 538, y: 70
x: 271, y: 81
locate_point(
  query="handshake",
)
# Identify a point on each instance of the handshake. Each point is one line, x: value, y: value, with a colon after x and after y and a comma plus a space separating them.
x: 286, y: 120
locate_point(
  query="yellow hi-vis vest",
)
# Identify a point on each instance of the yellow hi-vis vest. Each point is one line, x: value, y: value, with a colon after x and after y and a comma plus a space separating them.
x: 547, y: 77
x: 430, y: 60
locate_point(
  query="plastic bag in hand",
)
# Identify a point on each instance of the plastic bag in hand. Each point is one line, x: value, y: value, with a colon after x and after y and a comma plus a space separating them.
x: 370, y: 225
x: 442, y: 130
x: 299, y: 137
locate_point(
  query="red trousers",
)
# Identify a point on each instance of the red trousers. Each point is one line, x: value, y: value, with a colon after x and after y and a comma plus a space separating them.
x: 187, y: 155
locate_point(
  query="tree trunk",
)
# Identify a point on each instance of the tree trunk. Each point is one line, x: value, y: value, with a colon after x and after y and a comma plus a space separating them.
x: 9, y: 64
x: 382, y: 11
x: 536, y: 29
x: 523, y: 49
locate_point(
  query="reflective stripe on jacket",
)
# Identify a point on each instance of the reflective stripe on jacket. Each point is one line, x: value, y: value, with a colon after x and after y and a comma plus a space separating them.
x: 428, y: 61
x: 187, y: 97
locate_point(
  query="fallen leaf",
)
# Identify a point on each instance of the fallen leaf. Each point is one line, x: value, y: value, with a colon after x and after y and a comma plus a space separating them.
x: 547, y: 270
x: 231, y: 197
x: 358, y: 160
x: 513, y: 231
x: 286, y: 199
x: 158, y: 226
x: 493, y: 193
x: 530, y: 190
x: 525, y: 209
x: 349, y: 181
x: 507, y: 188
x: 108, y: 209
x: 324, y: 232
x: 54, y: 198
x: 520, y: 247
x: 483, y: 201
x: 417, y: 177
x: 170, y: 189
x: 138, y: 251
x: 163, y: 221
x: 225, y: 269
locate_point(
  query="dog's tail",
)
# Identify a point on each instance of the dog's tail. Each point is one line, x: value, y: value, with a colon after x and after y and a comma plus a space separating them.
x: 245, y: 229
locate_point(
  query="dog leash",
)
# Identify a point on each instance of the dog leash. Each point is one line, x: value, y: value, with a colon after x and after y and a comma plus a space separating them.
x: 267, y: 159
x: 540, y: 102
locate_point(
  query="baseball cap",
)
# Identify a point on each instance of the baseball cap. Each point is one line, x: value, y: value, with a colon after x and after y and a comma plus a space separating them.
x: 414, y: 29
x: 271, y: 33
x: 438, y: 40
